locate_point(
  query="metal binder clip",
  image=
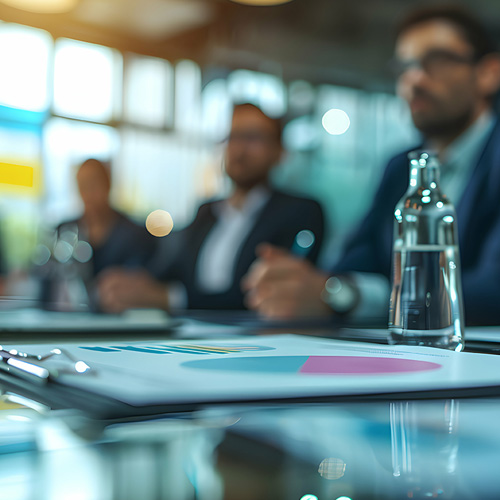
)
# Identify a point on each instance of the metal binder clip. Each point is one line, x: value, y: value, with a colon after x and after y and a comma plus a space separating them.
x: 28, y: 365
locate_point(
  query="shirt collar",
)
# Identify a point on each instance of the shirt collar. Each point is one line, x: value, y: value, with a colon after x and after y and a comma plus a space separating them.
x: 465, y: 149
x: 254, y: 202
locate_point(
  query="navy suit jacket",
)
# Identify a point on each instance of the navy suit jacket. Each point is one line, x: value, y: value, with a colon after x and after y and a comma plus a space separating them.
x: 280, y: 220
x: 478, y: 218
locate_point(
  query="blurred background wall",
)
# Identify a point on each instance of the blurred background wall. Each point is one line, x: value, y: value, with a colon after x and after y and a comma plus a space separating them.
x: 148, y: 85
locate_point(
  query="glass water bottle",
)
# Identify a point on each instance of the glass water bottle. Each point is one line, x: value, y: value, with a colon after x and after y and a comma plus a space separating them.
x: 426, y: 307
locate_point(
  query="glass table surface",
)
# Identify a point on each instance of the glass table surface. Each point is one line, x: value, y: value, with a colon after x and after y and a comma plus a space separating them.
x: 377, y: 450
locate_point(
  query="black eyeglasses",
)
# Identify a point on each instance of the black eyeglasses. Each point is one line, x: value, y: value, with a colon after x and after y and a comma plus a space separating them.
x: 435, y: 63
x: 251, y: 137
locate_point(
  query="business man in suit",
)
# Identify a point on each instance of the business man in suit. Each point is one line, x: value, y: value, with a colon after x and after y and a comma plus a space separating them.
x: 449, y: 73
x: 203, y: 264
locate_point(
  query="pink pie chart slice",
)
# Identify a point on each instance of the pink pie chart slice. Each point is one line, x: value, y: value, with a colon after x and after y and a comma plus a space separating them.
x: 324, y: 365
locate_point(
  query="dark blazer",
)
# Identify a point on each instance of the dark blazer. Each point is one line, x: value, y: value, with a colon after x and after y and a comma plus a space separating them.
x: 127, y: 245
x: 280, y: 220
x: 478, y: 218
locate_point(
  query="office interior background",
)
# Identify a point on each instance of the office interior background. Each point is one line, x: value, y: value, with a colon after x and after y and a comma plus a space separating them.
x: 148, y: 85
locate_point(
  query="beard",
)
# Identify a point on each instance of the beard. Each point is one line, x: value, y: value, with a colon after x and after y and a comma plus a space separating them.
x: 443, y: 126
x: 441, y: 120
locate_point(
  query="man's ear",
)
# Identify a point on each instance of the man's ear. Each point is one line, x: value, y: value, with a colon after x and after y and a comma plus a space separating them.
x: 488, y: 74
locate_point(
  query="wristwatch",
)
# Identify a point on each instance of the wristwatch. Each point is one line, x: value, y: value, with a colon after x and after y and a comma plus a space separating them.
x: 341, y: 294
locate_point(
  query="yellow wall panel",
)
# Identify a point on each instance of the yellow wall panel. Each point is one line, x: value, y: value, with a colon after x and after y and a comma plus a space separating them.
x: 16, y: 175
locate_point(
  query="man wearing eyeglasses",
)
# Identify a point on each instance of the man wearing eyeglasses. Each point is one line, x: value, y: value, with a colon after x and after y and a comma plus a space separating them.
x: 201, y: 266
x: 448, y: 71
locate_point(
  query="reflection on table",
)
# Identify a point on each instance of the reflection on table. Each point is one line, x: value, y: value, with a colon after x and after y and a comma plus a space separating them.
x: 380, y: 450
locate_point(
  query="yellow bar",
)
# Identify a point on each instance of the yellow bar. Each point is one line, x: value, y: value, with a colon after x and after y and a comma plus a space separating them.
x: 18, y: 175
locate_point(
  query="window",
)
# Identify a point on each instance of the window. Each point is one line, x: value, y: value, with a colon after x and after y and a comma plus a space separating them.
x: 187, y: 97
x: 87, y: 81
x: 25, y: 63
x: 216, y: 110
x: 148, y: 92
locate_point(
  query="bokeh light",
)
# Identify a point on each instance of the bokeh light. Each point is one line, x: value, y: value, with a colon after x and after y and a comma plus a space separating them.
x: 83, y: 252
x: 41, y: 255
x: 63, y: 251
x: 336, y: 121
x: 305, y: 239
x: 331, y: 468
x: 159, y: 223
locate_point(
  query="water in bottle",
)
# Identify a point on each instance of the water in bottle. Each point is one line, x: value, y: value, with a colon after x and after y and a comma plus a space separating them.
x: 426, y: 301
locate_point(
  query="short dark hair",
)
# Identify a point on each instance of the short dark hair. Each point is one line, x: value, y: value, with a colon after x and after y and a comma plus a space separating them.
x: 276, y: 122
x: 103, y: 166
x: 471, y: 28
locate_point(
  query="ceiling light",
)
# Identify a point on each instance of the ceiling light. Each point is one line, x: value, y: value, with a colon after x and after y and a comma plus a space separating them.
x: 262, y: 2
x: 42, y: 6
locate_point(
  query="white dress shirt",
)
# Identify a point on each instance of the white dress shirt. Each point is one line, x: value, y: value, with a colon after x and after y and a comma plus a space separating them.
x: 219, y: 252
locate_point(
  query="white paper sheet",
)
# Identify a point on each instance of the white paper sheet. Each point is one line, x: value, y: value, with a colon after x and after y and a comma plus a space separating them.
x: 268, y: 367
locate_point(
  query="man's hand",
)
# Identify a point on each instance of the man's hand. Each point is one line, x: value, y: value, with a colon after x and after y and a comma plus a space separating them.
x: 280, y: 285
x: 120, y: 289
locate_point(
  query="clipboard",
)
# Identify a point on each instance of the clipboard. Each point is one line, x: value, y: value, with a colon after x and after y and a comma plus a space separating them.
x: 110, y: 380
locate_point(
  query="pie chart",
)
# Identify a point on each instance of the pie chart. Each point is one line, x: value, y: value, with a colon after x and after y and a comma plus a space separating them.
x: 314, y: 365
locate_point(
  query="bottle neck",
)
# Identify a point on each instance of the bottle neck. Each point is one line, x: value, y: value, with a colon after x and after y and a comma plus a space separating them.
x: 424, y: 172
x: 430, y: 175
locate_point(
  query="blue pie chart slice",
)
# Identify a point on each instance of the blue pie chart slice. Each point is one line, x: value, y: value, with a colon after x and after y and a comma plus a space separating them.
x: 314, y: 365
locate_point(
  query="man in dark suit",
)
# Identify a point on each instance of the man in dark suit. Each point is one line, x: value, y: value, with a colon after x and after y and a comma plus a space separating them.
x: 202, y: 265
x: 449, y: 73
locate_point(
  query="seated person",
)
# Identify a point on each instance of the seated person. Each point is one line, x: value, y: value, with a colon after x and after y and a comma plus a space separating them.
x: 449, y: 74
x: 115, y: 239
x: 210, y: 256
x: 68, y: 283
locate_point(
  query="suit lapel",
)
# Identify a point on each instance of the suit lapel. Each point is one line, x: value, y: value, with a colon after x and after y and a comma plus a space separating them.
x: 473, y: 206
x: 257, y: 234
